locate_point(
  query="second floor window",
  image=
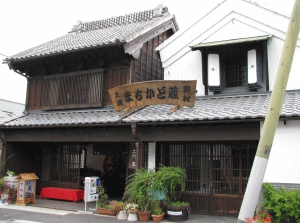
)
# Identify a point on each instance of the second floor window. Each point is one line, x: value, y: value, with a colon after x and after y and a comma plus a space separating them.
x: 73, y: 90
x: 235, y: 66
x: 235, y: 69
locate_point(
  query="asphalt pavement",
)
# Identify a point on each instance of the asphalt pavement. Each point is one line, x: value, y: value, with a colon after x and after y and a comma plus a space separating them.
x: 30, y: 214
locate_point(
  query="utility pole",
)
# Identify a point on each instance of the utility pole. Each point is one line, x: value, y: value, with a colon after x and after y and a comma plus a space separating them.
x: 271, y: 121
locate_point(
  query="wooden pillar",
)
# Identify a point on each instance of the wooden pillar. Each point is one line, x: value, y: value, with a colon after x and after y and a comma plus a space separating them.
x: 139, y: 147
x: 140, y: 154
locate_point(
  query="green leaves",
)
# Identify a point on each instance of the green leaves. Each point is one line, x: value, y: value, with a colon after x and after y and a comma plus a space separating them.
x: 281, y: 204
x: 144, y: 184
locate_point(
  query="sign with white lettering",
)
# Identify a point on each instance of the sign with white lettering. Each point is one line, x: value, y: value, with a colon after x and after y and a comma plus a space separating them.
x: 175, y: 213
x: 180, y: 93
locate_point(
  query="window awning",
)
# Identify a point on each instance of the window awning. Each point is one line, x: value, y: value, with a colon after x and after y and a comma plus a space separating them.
x: 227, y: 42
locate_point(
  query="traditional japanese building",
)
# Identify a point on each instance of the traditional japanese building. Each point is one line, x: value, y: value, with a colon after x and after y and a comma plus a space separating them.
x: 233, y: 52
x: 70, y: 129
x: 70, y: 132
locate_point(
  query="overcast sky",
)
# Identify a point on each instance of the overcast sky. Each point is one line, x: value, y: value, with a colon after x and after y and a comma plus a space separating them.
x: 27, y: 23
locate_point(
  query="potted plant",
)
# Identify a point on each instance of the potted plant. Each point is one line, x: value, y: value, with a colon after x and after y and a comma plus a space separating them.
x: 10, y: 173
x: 119, y: 205
x: 5, y: 196
x: 138, y: 191
x: 171, y: 179
x: 144, y: 206
x: 177, y: 211
x: 132, y: 207
x: 132, y: 211
x: 157, y: 214
x: 103, y: 205
x: 121, y: 210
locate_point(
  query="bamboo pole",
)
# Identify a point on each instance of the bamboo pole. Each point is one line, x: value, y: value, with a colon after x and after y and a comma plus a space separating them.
x: 271, y: 121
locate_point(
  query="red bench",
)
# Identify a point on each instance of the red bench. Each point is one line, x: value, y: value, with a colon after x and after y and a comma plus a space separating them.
x: 62, y: 194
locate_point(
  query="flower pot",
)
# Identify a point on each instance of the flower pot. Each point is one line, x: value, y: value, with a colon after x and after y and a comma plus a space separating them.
x: 104, y: 211
x: 176, y: 213
x: 4, y: 199
x: 132, y: 210
x: 123, y: 215
x: 132, y: 217
x: 144, y: 216
x: 118, y: 209
x: 10, y: 196
x: 158, y: 218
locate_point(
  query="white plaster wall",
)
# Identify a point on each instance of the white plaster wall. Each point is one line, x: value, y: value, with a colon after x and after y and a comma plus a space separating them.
x: 151, y: 155
x: 284, y: 161
x: 234, y: 29
x: 275, y: 48
x: 187, y: 67
x: 274, y: 54
x: 230, y: 20
x: 94, y: 161
x: 294, y: 78
x: 258, y: 18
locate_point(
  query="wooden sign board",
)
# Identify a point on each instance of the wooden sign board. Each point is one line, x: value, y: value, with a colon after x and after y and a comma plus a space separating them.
x: 26, y: 188
x: 180, y: 93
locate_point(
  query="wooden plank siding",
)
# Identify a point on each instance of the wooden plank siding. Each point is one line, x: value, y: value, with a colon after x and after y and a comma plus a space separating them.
x: 114, y: 77
x: 42, y: 96
x: 148, y: 66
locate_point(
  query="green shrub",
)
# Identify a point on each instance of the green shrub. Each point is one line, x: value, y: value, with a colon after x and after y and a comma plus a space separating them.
x: 282, y: 204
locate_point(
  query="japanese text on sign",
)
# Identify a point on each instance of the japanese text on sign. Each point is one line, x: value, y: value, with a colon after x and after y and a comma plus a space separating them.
x: 153, y: 92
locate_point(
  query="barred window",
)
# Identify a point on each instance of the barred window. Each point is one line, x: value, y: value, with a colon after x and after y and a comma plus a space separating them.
x: 73, y: 90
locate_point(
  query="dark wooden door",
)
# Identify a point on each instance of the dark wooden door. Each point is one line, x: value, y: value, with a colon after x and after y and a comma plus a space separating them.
x: 217, y: 173
x: 61, y: 165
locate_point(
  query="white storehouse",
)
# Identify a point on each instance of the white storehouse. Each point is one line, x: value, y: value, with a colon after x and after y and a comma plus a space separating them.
x: 235, y: 50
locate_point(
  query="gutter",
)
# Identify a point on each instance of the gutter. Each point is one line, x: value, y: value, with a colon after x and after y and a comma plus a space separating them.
x: 17, y: 71
x: 137, y: 123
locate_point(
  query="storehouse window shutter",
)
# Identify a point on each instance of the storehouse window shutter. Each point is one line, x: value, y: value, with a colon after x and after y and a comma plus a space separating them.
x: 254, y: 73
x: 213, y: 72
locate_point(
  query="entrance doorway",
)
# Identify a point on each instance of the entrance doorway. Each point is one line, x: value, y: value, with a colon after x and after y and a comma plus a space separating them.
x: 66, y: 165
x: 109, y: 160
x: 217, y: 174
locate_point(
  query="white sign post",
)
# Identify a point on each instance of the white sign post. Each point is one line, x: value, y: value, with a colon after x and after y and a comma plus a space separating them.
x: 91, y: 193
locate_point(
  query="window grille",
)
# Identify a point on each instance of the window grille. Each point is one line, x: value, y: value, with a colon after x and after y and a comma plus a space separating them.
x: 235, y: 70
x: 73, y: 90
x: 223, y: 168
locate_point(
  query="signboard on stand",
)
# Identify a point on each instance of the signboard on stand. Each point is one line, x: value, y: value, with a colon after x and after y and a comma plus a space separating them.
x: 26, y: 188
x: 91, y: 192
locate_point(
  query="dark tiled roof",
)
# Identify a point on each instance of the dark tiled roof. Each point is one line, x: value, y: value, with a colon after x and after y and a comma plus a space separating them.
x: 69, y: 117
x: 251, y: 106
x: 238, y: 107
x: 115, y: 30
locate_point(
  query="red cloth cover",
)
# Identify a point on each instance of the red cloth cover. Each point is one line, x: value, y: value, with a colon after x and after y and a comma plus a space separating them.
x: 62, y: 194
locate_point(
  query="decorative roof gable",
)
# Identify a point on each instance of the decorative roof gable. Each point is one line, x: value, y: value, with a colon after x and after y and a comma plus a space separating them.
x: 219, y: 25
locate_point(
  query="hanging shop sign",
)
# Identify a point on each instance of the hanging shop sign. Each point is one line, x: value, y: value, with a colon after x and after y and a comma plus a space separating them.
x: 180, y: 93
